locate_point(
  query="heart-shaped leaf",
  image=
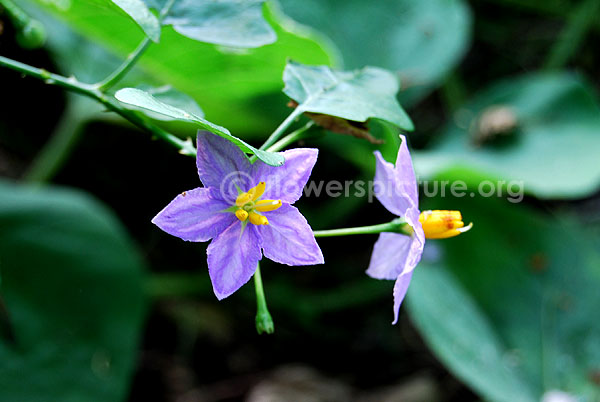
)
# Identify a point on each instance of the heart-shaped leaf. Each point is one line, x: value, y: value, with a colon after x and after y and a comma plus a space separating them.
x: 419, y: 40
x: 138, y: 98
x: 353, y: 95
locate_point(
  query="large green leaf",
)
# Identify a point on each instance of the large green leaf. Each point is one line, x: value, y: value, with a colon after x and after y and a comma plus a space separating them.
x: 353, y: 95
x: 231, y: 85
x: 72, y: 285
x: 421, y: 40
x: 140, y: 13
x: 137, y: 97
x: 223, y: 22
x: 553, y: 151
x: 512, y: 308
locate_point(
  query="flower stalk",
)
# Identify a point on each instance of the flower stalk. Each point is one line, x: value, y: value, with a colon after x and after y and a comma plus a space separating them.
x: 264, y: 322
x: 398, y: 225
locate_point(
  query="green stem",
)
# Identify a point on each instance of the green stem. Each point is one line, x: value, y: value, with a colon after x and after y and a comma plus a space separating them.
x: 54, y: 154
x: 282, y: 127
x: 18, y: 16
x: 133, y: 57
x: 124, y: 68
x: 288, y: 139
x: 264, y: 322
x: 291, y: 137
x: 395, y: 226
x: 579, y: 22
x: 185, y: 146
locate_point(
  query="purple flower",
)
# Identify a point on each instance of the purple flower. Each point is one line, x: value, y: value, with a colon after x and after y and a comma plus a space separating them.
x: 396, y: 255
x: 244, y: 208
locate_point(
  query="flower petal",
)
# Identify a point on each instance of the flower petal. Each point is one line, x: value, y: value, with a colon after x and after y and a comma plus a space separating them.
x: 396, y: 187
x: 390, y: 255
x: 222, y: 165
x: 286, y: 182
x: 232, y: 258
x: 400, y: 288
x: 405, y: 173
x: 195, y: 215
x: 288, y: 239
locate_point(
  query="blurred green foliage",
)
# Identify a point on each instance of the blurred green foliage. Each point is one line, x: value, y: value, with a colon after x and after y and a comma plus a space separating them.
x: 72, y: 284
x: 521, y: 295
x: 507, y: 308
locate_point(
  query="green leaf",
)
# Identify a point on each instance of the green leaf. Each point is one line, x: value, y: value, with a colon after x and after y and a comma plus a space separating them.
x: 353, y: 95
x: 237, y: 86
x: 520, y: 291
x: 223, y: 22
x: 557, y: 119
x: 420, y: 40
x: 144, y: 100
x: 72, y: 286
x: 166, y: 94
x: 461, y: 336
x: 140, y: 13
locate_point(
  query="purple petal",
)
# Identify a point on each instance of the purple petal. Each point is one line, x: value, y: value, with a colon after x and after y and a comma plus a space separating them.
x: 400, y: 288
x: 396, y: 187
x: 390, y: 255
x: 222, y: 165
x: 232, y: 258
x: 286, y: 182
x: 288, y: 239
x: 405, y: 173
x: 195, y: 215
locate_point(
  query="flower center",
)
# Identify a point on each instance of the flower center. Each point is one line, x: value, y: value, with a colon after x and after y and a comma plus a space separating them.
x: 440, y: 224
x: 248, y: 205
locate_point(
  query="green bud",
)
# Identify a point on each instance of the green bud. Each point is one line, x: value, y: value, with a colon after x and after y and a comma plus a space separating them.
x: 32, y: 35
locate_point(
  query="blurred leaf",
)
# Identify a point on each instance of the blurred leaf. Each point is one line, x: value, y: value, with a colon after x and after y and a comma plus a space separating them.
x: 140, y: 13
x: 552, y: 149
x: 461, y: 336
x: 226, y: 82
x: 421, y: 40
x: 72, y: 284
x: 517, y: 300
x: 354, y: 95
x: 222, y: 22
x: 144, y: 100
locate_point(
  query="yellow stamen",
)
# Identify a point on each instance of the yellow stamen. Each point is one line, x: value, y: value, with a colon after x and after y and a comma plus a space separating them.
x: 257, y: 219
x: 243, y: 199
x: 256, y: 191
x: 241, y: 214
x: 267, y: 205
x: 440, y: 224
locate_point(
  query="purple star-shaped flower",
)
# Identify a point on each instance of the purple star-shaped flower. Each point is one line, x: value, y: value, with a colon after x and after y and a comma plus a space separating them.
x: 395, y: 255
x: 244, y: 208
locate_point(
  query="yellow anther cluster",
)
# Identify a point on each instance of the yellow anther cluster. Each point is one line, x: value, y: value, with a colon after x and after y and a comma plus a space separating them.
x: 249, y: 205
x: 441, y: 224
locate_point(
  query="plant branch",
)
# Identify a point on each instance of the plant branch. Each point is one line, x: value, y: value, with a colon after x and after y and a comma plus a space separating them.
x: 185, y: 147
